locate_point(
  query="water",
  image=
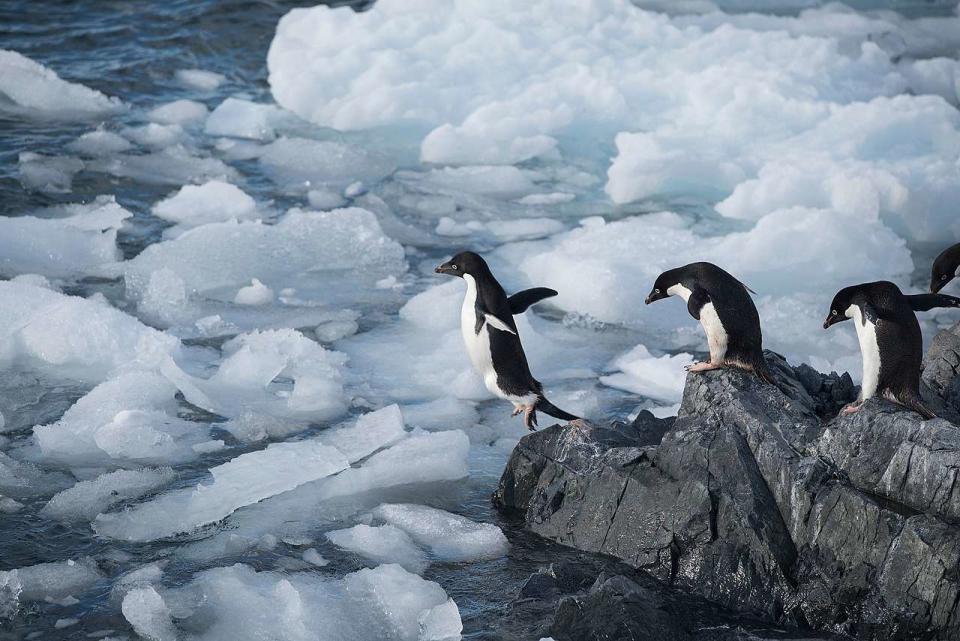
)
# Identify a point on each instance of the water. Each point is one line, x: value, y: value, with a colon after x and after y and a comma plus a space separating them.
x: 132, y: 50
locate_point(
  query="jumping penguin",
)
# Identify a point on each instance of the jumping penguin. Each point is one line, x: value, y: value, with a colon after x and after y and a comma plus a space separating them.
x: 724, y: 308
x: 945, y: 268
x: 890, y: 339
x: 490, y: 334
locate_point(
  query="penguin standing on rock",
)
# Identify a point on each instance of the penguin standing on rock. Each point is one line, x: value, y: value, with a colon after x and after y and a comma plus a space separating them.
x: 946, y: 267
x: 890, y: 339
x: 490, y: 334
x: 724, y: 308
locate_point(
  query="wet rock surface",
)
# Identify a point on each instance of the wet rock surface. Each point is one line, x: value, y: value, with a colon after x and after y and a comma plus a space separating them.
x: 762, y: 500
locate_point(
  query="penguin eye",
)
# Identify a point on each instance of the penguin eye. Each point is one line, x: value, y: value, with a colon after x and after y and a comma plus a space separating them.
x: 454, y: 267
x: 944, y: 277
x: 833, y: 312
x: 656, y: 291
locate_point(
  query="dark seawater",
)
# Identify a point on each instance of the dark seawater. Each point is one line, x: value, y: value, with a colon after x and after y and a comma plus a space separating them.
x: 131, y: 49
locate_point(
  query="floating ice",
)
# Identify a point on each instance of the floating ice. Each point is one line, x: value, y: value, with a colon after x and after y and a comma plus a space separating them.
x: 9, y: 506
x: 50, y: 174
x: 178, y: 112
x: 244, y: 480
x: 132, y: 417
x: 72, y: 337
x: 333, y: 255
x: 311, y: 556
x: 256, y: 293
x: 53, y: 581
x: 62, y: 247
x: 302, y: 164
x: 174, y: 165
x: 384, y: 603
x: 199, y: 79
x: 640, y: 372
x: 449, y: 536
x: 382, y: 544
x: 213, y: 201
x: 242, y: 119
x: 441, y: 623
x: 28, y: 88
x: 99, y: 142
x: 22, y: 479
x: 146, y: 611
x: 155, y: 135
x: 87, y: 499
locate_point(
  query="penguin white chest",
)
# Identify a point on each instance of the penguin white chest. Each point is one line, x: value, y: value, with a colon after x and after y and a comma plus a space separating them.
x: 477, y: 343
x: 710, y: 321
x: 869, y: 351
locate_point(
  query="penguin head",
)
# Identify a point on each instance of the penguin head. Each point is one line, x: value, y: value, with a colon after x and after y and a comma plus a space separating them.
x: 464, y: 263
x: 838, y: 308
x: 664, y: 282
x: 944, y: 268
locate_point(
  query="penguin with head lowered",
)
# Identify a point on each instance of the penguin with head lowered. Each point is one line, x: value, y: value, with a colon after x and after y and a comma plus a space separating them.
x: 890, y: 339
x: 946, y: 267
x: 491, y: 338
x: 724, y: 308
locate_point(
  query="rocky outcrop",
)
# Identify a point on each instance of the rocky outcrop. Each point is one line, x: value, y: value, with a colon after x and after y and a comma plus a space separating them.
x: 762, y: 500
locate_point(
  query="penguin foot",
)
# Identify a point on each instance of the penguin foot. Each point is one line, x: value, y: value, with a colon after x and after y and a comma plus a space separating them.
x: 530, y: 417
x: 701, y: 367
x: 517, y: 409
x: 851, y: 408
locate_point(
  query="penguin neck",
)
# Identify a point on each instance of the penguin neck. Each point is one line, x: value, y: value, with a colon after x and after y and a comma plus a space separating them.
x: 679, y: 290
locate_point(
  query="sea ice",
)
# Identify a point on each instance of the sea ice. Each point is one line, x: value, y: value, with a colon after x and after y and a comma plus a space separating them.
x: 49, y: 174
x: 99, y: 142
x: 441, y: 623
x: 381, y: 544
x: 302, y: 164
x: 87, y: 499
x: 199, y: 79
x: 173, y: 165
x: 243, y: 119
x: 246, y: 479
x: 256, y: 293
x: 146, y: 611
x: 30, y: 89
x: 660, y: 378
x: 49, y: 580
x: 178, y: 112
x: 449, y: 536
x: 213, y: 201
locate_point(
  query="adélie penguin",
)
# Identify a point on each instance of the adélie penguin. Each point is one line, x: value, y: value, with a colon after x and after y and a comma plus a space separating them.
x: 492, y: 341
x: 890, y: 341
x: 724, y: 308
x: 946, y: 267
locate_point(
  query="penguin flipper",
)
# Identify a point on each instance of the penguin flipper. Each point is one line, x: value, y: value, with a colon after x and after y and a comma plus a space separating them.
x: 926, y: 302
x: 698, y: 298
x: 521, y: 301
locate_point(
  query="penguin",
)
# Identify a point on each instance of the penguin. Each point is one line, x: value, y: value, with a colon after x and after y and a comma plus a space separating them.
x: 890, y: 339
x: 724, y: 308
x: 946, y: 267
x: 492, y: 341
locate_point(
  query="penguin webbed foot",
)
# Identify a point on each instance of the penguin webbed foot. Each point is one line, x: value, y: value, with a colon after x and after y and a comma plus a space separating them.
x: 530, y: 417
x: 702, y: 367
x: 852, y: 408
x: 517, y: 410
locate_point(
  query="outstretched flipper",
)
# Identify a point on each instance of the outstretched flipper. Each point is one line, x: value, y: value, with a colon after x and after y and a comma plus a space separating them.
x: 926, y: 302
x: 521, y: 301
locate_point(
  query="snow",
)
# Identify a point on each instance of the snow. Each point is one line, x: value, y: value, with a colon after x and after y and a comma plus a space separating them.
x: 87, y: 499
x: 256, y: 293
x: 448, y: 536
x: 199, y: 79
x: 65, y: 246
x: 382, y: 544
x: 212, y: 202
x: 243, y: 119
x: 28, y: 88
x: 382, y: 603
x: 659, y: 378
x: 146, y: 611
x: 178, y: 112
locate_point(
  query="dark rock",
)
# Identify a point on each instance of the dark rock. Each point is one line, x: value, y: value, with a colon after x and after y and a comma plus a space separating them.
x: 759, y: 499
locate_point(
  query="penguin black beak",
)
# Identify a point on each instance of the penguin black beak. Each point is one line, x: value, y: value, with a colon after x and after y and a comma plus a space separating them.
x: 831, y: 320
x: 443, y: 269
x: 652, y: 298
x: 647, y: 300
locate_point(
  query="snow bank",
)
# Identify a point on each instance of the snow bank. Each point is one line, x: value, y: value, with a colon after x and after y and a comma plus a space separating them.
x: 63, y: 247
x: 87, y: 499
x: 448, y: 536
x: 28, y: 88
x: 383, y: 603
x: 382, y: 544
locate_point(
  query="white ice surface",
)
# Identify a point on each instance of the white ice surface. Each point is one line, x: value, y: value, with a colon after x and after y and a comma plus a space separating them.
x: 450, y: 537
x: 242, y: 119
x: 178, y: 112
x: 212, y: 202
x: 659, y: 378
x: 87, y: 499
x: 381, y: 544
x: 28, y: 88
x: 199, y: 79
x: 146, y: 611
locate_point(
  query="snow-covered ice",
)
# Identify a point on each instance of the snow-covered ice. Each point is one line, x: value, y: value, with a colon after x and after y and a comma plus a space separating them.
x: 448, y: 536
x: 30, y: 89
x: 243, y: 119
x: 212, y: 202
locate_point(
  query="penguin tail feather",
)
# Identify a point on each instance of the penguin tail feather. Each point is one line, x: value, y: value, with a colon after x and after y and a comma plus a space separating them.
x: 550, y: 409
x: 914, y: 403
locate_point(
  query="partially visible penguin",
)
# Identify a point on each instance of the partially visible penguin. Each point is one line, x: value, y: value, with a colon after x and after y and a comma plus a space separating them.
x: 724, y: 308
x: 890, y: 339
x: 490, y: 334
x: 946, y: 267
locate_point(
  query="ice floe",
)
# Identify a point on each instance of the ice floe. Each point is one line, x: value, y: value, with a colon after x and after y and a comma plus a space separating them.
x: 30, y: 89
